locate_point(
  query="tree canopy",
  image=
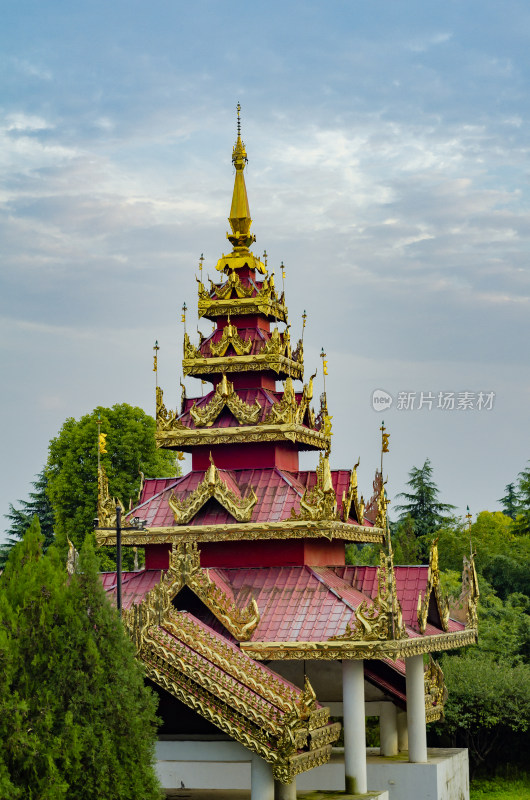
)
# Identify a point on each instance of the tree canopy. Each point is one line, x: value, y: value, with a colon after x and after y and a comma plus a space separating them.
x: 38, y: 504
x: 72, y: 465
x: 75, y: 717
x: 423, y: 507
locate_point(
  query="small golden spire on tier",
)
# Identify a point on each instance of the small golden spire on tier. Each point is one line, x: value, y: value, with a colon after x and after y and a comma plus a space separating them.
x: 239, y: 218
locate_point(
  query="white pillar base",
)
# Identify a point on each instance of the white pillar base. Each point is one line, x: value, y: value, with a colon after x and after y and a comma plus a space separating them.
x: 416, y: 710
x: 354, y: 726
x: 388, y: 732
x: 284, y: 791
x: 261, y: 780
x: 403, y: 734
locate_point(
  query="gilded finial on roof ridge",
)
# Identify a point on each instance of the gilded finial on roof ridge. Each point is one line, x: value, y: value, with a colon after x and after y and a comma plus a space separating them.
x: 239, y: 218
x: 239, y: 154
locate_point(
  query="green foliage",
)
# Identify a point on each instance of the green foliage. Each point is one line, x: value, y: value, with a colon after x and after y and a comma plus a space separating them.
x: 407, y: 547
x: 510, y: 501
x: 72, y: 465
x: 37, y: 504
x: 522, y: 521
x: 76, y: 719
x: 490, y: 536
x: 423, y: 506
x: 488, y: 710
x: 500, y: 788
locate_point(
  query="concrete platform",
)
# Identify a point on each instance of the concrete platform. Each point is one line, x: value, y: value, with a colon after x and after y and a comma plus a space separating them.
x: 223, y: 794
x: 221, y: 770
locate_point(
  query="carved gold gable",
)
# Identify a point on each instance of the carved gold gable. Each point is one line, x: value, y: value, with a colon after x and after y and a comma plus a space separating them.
x: 433, y: 588
x: 213, y: 485
x: 185, y: 570
x: 225, y: 395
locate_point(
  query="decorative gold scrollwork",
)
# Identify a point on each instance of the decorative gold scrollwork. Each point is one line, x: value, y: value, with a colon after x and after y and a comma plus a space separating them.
x: 351, y: 497
x: 166, y: 420
x: 320, y: 502
x: 213, y: 485
x: 185, y: 570
x: 382, y: 619
x: 230, y: 337
x: 435, y: 690
x: 232, y: 284
x: 106, y: 503
x: 433, y: 586
x: 225, y: 395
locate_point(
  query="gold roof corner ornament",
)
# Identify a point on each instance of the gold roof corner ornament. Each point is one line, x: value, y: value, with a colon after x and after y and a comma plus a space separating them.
x: 167, y: 420
x: 465, y: 608
x: 382, y: 619
x: 72, y: 558
x: 382, y: 504
x: 352, y: 497
x: 433, y: 588
x: 213, y: 485
x: 319, y: 502
x: 106, y: 503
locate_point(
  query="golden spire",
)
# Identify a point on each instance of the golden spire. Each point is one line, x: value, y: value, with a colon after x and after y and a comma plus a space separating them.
x: 239, y: 218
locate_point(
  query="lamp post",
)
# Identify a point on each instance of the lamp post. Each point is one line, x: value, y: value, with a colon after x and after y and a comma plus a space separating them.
x: 118, y: 558
x: 137, y: 525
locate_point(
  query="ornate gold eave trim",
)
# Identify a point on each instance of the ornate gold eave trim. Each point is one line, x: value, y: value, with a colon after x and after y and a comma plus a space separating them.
x: 298, y: 529
x: 338, y: 650
x: 292, y: 432
x: 242, y: 306
x: 251, y: 363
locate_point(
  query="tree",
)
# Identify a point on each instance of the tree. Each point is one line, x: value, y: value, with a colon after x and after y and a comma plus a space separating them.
x: 38, y: 504
x: 423, y: 506
x: 406, y: 546
x: 510, y: 501
x: 522, y: 521
x: 84, y: 723
x: 488, y: 707
x: 72, y: 465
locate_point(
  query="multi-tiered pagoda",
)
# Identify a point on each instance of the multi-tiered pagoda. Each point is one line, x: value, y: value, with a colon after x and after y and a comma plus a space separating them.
x: 246, y: 610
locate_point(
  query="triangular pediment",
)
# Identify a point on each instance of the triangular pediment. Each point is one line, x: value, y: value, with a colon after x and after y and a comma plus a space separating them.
x: 213, y: 485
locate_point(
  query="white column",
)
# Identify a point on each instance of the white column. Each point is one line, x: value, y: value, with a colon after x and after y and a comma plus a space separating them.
x: 416, y: 710
x: 388, y: 732
x: 261, y: 780
x: 403, y: 734
x: 354, y: 726
x: 284, y: 791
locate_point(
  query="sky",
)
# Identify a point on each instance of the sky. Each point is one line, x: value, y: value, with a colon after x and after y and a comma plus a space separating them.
x: 388, y: 169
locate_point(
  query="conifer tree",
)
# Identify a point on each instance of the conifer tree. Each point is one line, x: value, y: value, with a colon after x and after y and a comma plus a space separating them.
x: 76, y: 720
x: 522, y: 522
x: 38, y: 503
x: 510, y: 501
x: 423, y: 506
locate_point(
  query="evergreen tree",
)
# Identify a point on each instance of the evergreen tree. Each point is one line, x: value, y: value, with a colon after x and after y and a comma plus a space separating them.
x: 522, y: 521
x: 76, y: 719
x: 510, y: 501
x: 423, y: 506
x: 406, y: 546
x: 38, y: 504
x: 72, y: 466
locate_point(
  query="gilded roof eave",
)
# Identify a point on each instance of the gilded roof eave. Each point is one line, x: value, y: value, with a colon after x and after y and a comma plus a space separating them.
x: 356, y: 650
x: 248, y: 531
x: 183, y: 438
x: 281, y: 365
